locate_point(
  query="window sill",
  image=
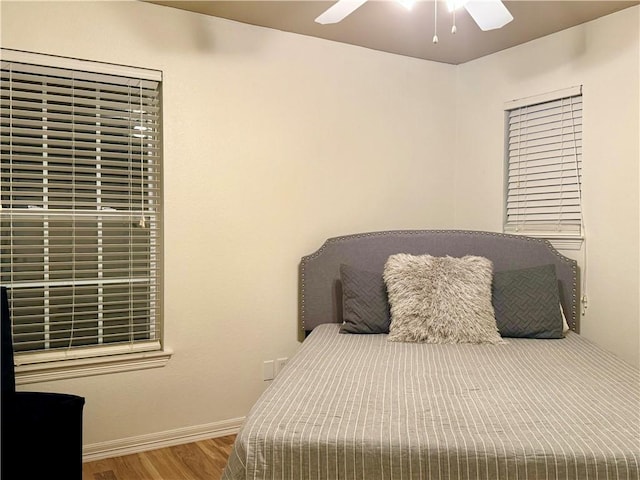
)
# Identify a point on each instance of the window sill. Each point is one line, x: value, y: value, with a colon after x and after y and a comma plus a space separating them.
x: 85, y: 367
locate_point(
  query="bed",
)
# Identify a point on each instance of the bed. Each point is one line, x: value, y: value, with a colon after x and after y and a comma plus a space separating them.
x: 370, y: 406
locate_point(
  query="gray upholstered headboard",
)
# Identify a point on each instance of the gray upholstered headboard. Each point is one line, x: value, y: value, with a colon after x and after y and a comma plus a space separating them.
x: 320, y: 296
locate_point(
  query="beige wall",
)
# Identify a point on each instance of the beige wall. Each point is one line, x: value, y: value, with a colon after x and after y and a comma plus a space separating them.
x: 272, y: 143
x: 603, y: 56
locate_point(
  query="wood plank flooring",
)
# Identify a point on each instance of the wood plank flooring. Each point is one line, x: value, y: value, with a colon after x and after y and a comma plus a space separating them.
x: 203, y: 460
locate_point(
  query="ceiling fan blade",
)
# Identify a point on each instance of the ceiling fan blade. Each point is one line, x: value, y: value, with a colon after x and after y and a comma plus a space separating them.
x: 488, y: 14
x: 338, y: 11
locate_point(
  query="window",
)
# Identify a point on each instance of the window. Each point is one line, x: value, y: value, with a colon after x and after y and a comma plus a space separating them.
x: 544, y: 165
x: 80, y: 223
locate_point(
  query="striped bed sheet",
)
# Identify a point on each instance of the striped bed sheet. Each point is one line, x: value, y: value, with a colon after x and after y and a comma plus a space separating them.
x: 360, y: 407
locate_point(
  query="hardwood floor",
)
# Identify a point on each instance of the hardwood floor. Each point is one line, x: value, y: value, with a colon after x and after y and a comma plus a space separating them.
x: 203, y: 460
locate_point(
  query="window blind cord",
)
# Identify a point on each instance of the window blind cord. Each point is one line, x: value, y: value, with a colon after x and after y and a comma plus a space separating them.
x: 100, y: 225
x: 518, y: 204
x: 10, y: 202
x: 142, y: 223
x: 46, y: 205
x: 525, y: 204
x: 435, y: 22
x: 454, y: 29
x: 142, y: 137
x: 131, y: 211
x: 522, y: 207
x: 561, y: 203
x: 583, y: 295
x: 73, y: 214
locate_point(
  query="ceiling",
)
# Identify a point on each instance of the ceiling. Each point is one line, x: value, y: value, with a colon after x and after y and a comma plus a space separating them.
x: 387, y: 26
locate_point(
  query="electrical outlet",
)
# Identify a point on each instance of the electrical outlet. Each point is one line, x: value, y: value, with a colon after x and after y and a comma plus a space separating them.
x: 280, y: 364
x: 267, y: 370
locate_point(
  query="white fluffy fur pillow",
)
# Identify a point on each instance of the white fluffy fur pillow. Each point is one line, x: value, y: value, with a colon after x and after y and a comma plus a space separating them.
x: 440, y: 299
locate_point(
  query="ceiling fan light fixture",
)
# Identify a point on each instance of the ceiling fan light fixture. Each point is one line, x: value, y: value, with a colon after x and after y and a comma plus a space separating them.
x: 488, y: 14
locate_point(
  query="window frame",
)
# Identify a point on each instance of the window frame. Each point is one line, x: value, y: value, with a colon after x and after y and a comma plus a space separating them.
x: 41, y: 365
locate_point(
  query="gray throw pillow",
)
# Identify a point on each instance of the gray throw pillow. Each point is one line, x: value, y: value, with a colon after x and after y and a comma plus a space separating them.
x: 440, y: 299
x: 526, y: 302
x: 365, y: 308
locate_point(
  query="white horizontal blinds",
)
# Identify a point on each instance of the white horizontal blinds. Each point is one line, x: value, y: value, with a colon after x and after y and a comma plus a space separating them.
x: 545, y: 166
x: 81, y: 203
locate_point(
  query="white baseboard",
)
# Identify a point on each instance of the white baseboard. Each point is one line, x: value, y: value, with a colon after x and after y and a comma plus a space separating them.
x: 152, y: 441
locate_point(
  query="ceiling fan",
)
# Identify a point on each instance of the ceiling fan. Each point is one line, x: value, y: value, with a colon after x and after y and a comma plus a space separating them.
x: 488, y: 14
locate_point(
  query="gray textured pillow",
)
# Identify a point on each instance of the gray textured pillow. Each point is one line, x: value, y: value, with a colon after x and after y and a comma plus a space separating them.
x: 526, y: 303
x: 365, y: 308
x: 440, y: 299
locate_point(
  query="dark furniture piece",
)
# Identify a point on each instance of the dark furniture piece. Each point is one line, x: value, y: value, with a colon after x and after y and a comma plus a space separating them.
x: 41, y: 432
